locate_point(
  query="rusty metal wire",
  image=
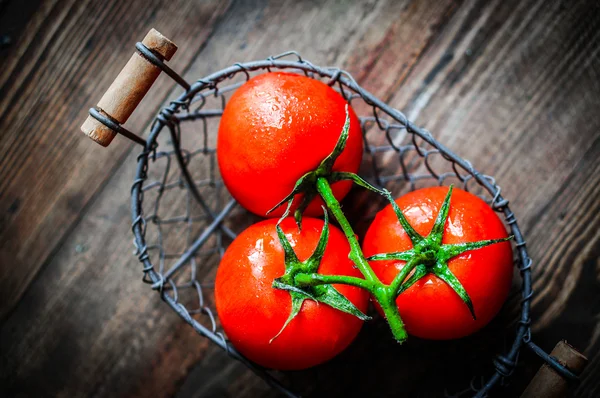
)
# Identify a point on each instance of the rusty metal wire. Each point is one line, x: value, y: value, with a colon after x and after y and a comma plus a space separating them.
x: 180, y: 245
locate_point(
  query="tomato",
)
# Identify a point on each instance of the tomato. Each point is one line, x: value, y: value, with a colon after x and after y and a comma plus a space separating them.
x: 430, y: 308
x: 277, y: 127
x: 252, y: 312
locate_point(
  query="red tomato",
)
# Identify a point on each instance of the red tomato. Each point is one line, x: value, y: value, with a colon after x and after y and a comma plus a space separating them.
x: 430, y: 308
x: 276, y: 128
x: 252, y: 312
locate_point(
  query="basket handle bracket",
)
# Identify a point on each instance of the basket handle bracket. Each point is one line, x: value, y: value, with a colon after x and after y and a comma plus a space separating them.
x: 129, y: 88
x: 562, y: 368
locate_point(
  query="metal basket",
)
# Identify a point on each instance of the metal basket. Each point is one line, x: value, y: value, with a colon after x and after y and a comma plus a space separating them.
x: 179, y: 246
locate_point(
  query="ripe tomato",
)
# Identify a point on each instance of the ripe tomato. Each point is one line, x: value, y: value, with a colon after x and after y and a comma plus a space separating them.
x: 252, y: 312
x: 430, y: 308
x: 276, y: 128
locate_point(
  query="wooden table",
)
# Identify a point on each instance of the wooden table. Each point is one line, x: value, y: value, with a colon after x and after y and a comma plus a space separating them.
x: 513, y: 86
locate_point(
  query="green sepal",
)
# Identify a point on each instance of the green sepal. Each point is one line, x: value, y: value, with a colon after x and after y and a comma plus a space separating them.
x: 420, y: 271
x: 290, y: 259
x: 327, y: 164
x: 437, y: 231
x: 358, y: 180
x: 453, y: 250
x: 328, y: 295
x: 279, y: 284
x: 442, y: 271
x: 414, y: 236
x: 297, y: 301
x: 306, y: 199
x: 303, y: 185
x: 405, y: 256
x: 311, y: 265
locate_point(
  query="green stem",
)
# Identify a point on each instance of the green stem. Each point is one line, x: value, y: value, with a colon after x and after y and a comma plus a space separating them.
x: 318, y: 279
x: 387, y: 300
x: 383, y: 294
x: 356, y: 255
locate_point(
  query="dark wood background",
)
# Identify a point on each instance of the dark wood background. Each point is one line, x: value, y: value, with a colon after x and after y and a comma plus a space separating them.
x: 513, y: 86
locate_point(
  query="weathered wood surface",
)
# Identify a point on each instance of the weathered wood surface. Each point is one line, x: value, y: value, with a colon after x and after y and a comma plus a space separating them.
x: 510, y: 85
x: 57, y: 69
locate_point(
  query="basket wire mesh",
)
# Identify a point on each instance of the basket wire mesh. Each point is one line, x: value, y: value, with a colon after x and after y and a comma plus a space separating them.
x: 180, y: 243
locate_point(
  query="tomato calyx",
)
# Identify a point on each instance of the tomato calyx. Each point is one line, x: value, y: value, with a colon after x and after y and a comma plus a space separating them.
x: 429, y: 255
x: 300, y: 292
x: 307, y: 184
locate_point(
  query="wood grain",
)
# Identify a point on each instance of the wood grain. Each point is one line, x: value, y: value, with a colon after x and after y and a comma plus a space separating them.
x: 56, y: 71
x: 104, y: 235
x: 511, y: 86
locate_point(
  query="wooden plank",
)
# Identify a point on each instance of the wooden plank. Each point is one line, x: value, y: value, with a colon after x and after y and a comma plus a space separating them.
x: 512, y: 92
x: 565, y: 245
x: 60, y: 66
x: 491, y: 70
x: 124, y: 332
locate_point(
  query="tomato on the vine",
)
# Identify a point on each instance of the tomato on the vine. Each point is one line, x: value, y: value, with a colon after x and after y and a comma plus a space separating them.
x: 252, y: 312
x: 275, y: 128
x: 430, y: 308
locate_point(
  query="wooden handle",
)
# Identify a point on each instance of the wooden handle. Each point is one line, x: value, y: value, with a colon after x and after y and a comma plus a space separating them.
x: 549, y: 384
x: 129, y: 88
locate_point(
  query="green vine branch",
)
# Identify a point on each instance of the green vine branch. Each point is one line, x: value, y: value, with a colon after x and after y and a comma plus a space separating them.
x: 427, y: 256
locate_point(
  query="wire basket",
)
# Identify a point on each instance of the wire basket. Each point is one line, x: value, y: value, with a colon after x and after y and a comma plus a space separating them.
x: 183, y: 217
